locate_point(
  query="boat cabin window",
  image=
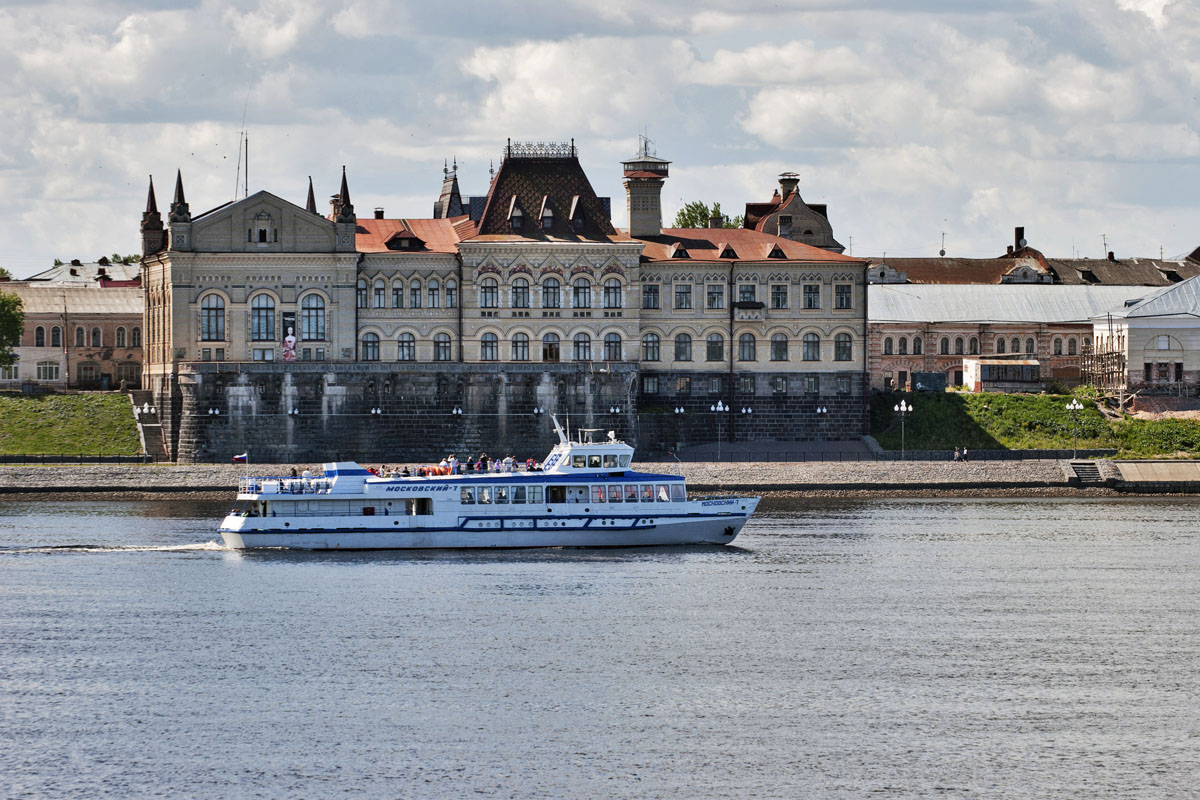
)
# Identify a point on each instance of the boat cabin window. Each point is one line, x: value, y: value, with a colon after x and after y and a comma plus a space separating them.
x: 664, y: 494
x: 418, y: 506
x: 610, y: 461
x: 579, y: 462
x: 501, y: 494
x: 467, y: 496
x: 534, y: 494
x: 598, y: 494
x: 594, y: 461
x: 631, y: 493
x: 518, y: 494
x: 625, y: 461
x: 647, y: 493
x: 554, y: 494
x: 614, y: 493
x: 485, y: 494
x: 577, y: 494
x: 678, y: 493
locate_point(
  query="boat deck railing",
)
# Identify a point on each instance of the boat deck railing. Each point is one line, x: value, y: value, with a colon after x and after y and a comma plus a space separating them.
x: 284, y: 485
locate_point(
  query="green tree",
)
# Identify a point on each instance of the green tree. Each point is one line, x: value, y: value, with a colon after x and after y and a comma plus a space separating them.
x: 696, y: 215
x: 5, y: 274
x: 12, y: 322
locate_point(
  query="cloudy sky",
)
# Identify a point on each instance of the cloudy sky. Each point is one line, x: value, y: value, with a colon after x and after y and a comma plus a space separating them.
x: 1078, y: 119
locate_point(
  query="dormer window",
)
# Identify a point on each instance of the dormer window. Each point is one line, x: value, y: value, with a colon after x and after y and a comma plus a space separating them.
x: 516, y: 219
x: 679, y: 251
x: 785, y: 224
x: 777, y: 252
x: 547, y: 219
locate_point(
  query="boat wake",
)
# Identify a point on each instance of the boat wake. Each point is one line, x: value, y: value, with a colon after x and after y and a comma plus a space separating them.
x: 93, y: 548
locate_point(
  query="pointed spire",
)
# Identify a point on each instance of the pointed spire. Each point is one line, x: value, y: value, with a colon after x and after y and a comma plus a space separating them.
x: 151, y: 203
x: 311, y: 205
x: 346, y: 209
x: 179, y: 206
x: 153, y: 236
x: 445, y: 167
x: 454, y: 169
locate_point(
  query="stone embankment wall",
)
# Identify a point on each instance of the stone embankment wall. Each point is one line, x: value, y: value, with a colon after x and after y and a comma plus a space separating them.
x: 815, y: 478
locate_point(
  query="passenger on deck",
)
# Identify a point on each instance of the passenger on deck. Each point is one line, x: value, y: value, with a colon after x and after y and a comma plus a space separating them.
x: 406, y: 473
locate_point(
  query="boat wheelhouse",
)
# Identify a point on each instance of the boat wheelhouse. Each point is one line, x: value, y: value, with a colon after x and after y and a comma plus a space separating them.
x: 584, y: 495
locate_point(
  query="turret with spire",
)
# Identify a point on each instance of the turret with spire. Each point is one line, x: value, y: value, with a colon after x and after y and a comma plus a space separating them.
x: 449, y: 203
x: 180, y: 219
x: 311, y: 205
x: 344, y: 218
x: 153, y: 236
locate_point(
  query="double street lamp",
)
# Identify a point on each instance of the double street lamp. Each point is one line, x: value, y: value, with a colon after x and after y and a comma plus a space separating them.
x: 902, y: 410
x: 1074, y: 407
x: 717, y: 409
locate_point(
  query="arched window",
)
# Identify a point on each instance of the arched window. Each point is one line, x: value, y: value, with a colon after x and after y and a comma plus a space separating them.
x: 97, y: 339
x: 918, y: 346
x: 683, y: 347
x: 360, y: 293
x: 843, y: 348
x: 212, y: 318
x: 903, y: 346
x: 379, y: 294
x: 520, y: 347
x: 1014, y: 346
x: 714, y: 349
x: 612, y: 347
x: 551, y: 296
x: 1072, y: 347
x: 39, y: 336
x: 811, y: 350
x: 122, y: 337
x: 1000, y: 345
x: 441, y: 347
x: 974, y: 345
x: 550, y: 348
x: 489, y: 293
x: 1087, y: 342
x: 489, y: 347
x: 582, y: 347
x: 1029, y: 345
x: 612, y: 293
x: 779, y: 347
x: 312, y: 318
x: 406, y: 347
x: 650, y: 347
x: 135, y: 339
x: 56, y: 337
x: 520, y: 293
x: 80, y: 337
x: 581, y: 296
x: 370, y: 347
x: 262, y: 318
x: 414, y: 294
x: 747, y: 347
x: 1058, y: 347
x: 434, y: 290
x: 887, y: 345
x: 958, y: 346
x: 944, y: 346
x: 451, y: 294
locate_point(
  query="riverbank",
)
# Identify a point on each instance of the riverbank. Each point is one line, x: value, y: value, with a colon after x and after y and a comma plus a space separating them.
x: 809, y: 479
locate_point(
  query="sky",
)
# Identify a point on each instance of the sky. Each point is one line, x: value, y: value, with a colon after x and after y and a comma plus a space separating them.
x: 913, y: 121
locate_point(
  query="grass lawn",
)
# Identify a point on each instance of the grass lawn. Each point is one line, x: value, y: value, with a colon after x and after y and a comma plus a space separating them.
x: 68, y: 424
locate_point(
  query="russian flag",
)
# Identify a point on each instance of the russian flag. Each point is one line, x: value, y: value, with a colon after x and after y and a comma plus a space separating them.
x: 242, y: 459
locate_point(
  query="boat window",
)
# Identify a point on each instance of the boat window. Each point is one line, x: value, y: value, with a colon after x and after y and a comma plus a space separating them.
x: 578, y: 461
x: 624, y: 461
x: 577, y: 494
x: 664, y: 494
x: 630, y: 493
x: 485, y: 494
x: 647, y: 493
x: 368, y: 511
x: 598, y: 494
x: 554, y: 494
x: 501, y: 494
x: 468, y: 495
x: 610, y: 461
x: 410, y: 508
x: 518, y: 494
x: 594, y: 461
x: 535, y: 494
x: 425, y: 506
x: 678, y: 493
x: 614, y: 493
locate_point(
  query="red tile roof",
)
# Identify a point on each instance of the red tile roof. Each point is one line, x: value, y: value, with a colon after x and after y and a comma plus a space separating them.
x: 706, y: 244
x: 438, y: 235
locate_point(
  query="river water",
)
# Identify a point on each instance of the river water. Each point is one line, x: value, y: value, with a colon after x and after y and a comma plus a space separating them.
x: 843, y: 649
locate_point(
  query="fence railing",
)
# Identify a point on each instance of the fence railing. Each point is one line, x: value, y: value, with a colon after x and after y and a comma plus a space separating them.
x: 72, y: 458
x: 887, y: 455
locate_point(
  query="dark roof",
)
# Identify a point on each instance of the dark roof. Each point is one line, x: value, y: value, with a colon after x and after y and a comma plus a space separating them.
x: 557, y: 181
x: 1121, y: 272
x: 956, y: 270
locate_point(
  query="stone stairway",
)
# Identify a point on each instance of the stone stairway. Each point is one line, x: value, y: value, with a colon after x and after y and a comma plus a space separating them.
x: 149, y: 425
x: 1087, y: 472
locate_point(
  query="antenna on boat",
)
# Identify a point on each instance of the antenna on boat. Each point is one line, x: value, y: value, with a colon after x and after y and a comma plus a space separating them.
x: 562, y: 437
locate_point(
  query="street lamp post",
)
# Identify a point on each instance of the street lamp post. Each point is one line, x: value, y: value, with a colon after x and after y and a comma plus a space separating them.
x: 902, y: 410
x: 717, y: 409
x: 821, y: 411
x: 1074, y: 407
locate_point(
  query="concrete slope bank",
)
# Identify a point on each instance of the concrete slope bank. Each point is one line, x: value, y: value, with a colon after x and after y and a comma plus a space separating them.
x: 814, y: 477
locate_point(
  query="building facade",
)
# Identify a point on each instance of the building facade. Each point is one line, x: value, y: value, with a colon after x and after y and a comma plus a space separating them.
x: 312, y: 334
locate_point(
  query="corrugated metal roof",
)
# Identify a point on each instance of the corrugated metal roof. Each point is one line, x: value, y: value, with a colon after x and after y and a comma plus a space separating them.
x: 981, y: 303
x: 1180, y: 299
x: 40, y: 298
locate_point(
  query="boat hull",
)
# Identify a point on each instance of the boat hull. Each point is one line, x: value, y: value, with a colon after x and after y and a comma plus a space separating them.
x: 384, y: 534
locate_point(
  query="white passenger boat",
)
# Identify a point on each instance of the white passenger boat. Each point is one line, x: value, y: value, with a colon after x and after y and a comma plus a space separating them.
x: 585, y: 495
